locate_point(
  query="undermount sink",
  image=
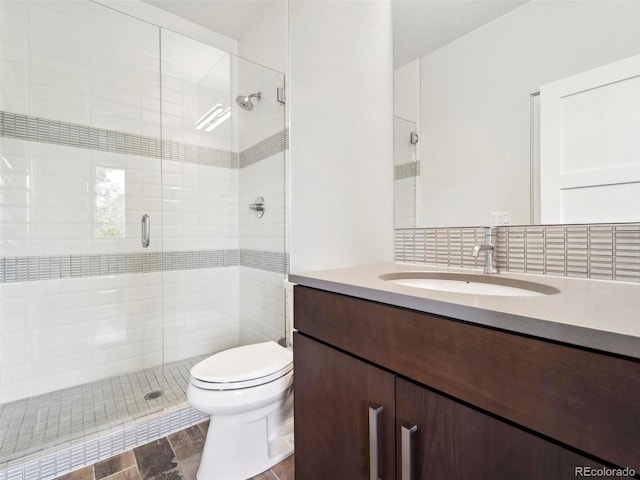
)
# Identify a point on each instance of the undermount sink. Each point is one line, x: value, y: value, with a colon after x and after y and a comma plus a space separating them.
x: 469, y: 283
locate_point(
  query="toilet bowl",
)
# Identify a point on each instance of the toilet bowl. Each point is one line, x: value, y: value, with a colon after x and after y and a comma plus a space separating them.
x: 248, y: 392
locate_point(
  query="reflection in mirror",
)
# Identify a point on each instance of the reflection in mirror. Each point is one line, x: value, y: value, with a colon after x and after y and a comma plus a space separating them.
x: 470, y: 93
x: 406, y: 172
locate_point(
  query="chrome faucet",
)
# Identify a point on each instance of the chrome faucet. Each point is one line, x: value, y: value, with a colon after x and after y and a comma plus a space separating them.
x: 488, y: 248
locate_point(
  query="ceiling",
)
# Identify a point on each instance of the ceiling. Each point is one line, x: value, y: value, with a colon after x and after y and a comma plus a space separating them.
x: 422, y: 26
x: 228, y: 17
x: 419, y: 26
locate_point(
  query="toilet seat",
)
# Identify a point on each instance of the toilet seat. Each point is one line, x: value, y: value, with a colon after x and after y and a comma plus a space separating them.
x: 243, y: 367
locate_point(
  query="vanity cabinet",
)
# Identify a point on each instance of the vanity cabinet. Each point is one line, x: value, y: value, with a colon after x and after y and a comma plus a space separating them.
x: 484, y: 403
x: 333, y: 396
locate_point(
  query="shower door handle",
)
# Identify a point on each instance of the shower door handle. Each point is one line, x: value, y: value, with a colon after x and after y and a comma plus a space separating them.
x: 146, y: 230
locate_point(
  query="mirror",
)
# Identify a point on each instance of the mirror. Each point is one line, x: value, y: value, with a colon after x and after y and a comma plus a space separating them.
x: 466, y: 83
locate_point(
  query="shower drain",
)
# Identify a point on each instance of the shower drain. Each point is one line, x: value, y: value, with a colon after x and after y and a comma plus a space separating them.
x: 153, y: 395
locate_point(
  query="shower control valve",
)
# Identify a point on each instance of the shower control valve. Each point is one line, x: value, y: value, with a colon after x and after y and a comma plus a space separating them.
x: 258, y: 207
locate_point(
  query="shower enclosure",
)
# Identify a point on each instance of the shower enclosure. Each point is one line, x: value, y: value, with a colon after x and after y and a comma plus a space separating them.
x: 128, y: 248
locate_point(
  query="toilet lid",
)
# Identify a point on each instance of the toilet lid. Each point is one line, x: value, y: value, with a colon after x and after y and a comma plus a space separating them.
x: 244, y: 363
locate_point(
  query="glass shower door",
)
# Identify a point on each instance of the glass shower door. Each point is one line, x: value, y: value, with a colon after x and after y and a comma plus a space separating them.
x: 223, y: 150
x: 200, y: 207
x: 262, y: 145
x: 80, y: 296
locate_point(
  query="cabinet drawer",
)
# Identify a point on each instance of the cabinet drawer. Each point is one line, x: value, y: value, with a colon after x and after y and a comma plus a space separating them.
x: 585, y: 399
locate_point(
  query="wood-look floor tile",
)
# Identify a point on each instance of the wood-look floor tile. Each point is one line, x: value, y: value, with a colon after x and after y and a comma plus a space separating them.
x: 189, y: 466
x: 176, y: 457
x: 127, y: 474
x: 170, y: 475
x: 268, y: 475
x: 285, y: 470
x: 85, y: 473
x: 114, y: 464
x: 155, y: 458
x: 187, y: 443
x: 204, y: 426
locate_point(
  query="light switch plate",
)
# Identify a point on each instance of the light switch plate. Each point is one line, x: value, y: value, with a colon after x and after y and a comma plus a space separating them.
x: 499, y: 218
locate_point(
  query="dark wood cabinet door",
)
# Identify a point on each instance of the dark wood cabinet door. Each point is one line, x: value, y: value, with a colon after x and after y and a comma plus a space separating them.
x: 456, y: 442
x: 333, y: 392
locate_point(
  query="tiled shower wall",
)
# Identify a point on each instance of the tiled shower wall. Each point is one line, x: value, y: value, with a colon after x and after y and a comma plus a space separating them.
x: 598, y: 251
x: 74, y: 307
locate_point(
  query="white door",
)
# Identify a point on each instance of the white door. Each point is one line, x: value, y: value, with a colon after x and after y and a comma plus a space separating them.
x: 590, y: 146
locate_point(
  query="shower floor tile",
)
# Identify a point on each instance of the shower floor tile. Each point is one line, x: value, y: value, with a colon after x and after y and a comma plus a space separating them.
x: 41, y: 421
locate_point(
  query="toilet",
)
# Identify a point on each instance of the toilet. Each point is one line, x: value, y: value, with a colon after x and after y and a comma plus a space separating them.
x: 248, y: 391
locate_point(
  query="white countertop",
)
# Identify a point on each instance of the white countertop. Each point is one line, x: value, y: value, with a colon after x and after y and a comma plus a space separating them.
x: 597, y: 314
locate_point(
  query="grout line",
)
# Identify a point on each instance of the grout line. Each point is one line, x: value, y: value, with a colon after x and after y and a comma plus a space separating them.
x: 113, y: 475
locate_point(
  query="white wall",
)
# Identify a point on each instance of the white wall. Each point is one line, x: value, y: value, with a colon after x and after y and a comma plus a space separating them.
x: 341, y: 86
x: 475, y: 101
x: 406, y: 92
x: 267, y: 40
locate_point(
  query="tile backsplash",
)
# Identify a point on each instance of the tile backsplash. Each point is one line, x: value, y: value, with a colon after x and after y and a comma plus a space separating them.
x: 598, y: 251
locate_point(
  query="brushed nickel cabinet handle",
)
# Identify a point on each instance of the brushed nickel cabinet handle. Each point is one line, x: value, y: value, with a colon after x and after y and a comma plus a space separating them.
x: 374, y: 414
x: 405, y: 447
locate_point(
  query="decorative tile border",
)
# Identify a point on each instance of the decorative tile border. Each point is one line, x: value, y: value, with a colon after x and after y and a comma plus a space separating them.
x: 598, y: 251
x: 28, y: 269
x: 66, y: 458
x: 184, y: 152
x: 406, y: 170
x: 42, y: 130
x: 277, y: 262
x: 264, y: 149
x: 24, y: 269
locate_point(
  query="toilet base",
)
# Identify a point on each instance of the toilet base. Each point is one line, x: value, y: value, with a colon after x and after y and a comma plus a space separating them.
x: 236, y: 450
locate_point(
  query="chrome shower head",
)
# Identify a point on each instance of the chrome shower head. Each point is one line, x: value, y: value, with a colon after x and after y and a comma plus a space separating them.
x: 245, y: 102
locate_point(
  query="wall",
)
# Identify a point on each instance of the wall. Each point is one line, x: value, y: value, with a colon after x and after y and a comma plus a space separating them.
x: 267, y: 41
x: 341, y: 87
x: 475, y: 101
x: 406, y: 92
